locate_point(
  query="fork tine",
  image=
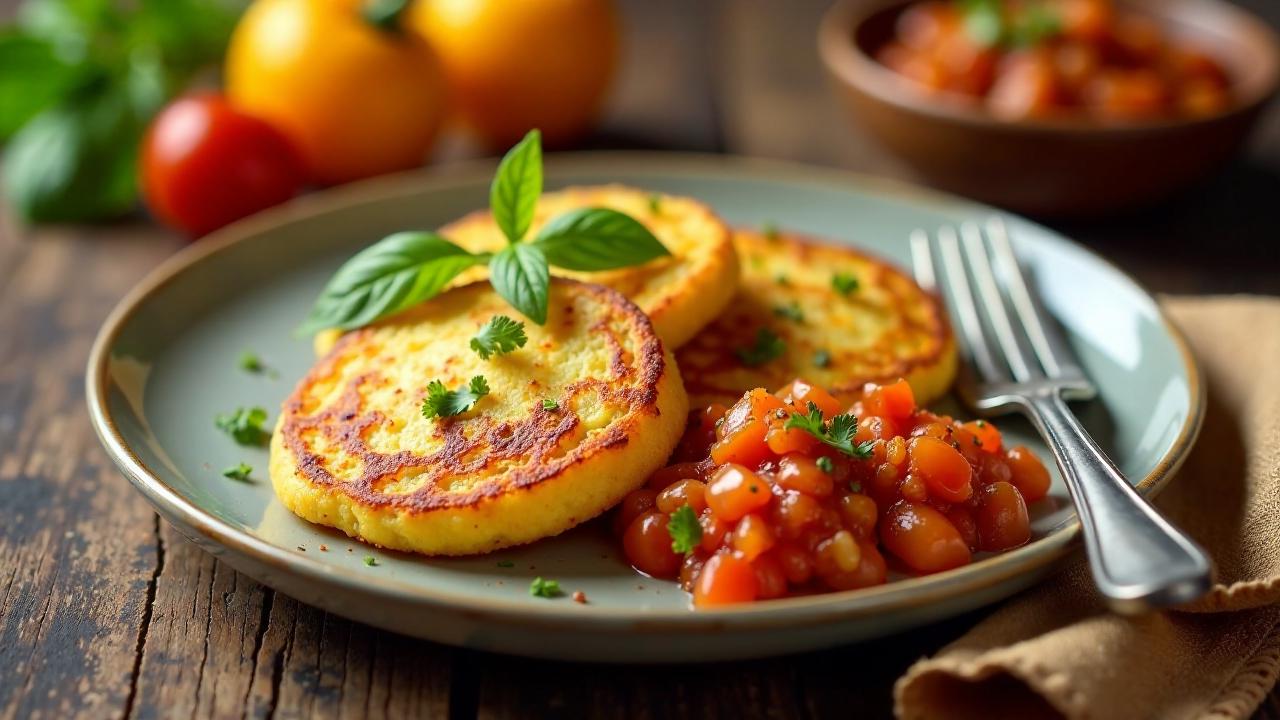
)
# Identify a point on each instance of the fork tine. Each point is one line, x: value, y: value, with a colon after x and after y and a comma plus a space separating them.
x: 1021, y: 360
x: 977, y: 341
x: 922, y: 264
x: 1055, y: 354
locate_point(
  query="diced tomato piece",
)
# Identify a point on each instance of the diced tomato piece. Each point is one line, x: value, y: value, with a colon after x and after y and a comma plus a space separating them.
x: 752, y: 536
x: 746, y: 446
x: 725, y: 579
x: 799, y: 394
x: 895, y: 400
x: 801, y: 473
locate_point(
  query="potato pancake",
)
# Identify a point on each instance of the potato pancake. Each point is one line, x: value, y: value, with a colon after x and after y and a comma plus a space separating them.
x: 573, y: 421
x: 823, y: 312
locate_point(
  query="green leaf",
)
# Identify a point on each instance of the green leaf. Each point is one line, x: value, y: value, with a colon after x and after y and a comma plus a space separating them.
x: 245, y: 426
x: 791, y: 312
x: 844, y: 283
x: 443, y: 402
x: 76, y: 161
x: 520, y: 275
x: 499, y: 336
x: 684, y: 529
x: 597, y: 239
x: 516, y: 187
x: 768, y: 347
x: 239, y: 472
x: 550, y: 405
x: 394, y: 273
x: 544, y: 588
x: 983, y: 21
x: 32, y: 77
x: 838, y: 433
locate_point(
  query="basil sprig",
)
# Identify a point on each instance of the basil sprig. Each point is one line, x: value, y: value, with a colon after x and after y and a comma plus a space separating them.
x: 406, y: 268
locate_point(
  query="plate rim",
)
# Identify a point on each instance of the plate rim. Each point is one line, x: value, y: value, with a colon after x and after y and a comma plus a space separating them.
x: 798, y: 611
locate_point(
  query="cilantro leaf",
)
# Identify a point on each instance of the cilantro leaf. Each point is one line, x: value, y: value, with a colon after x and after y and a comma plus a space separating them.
x: 550, y: 404
x: 499, y: 336
x: 825, y: 464
x: 544, y: 588
x: 844, y: 283
x: 768, y: 346
x: 684, y: 529
x: 837, y: 433
x: 791, y: 312
x: 443, y: 402
x: 245, y: 426
x: 238, y: 472
x: 250, y: 362
x: 370, y: 560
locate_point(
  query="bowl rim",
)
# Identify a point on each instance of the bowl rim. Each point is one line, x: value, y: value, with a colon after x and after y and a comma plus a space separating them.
x: 803, y: 611
x: 849, y: 63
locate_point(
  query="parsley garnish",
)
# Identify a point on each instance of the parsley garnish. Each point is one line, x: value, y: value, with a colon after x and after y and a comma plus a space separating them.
x: 822, y: 359
x: 837, y: 432
x: 655, y: 204
x: 825, y: 465
x: 499, y: 336
x: 684, y: 529
x: 768, y: 346
x: 370, y: 560
x: 442, y: 402
x: 245, y: 426
x: 238, y: 472
x: 250, y: 362
x: 544, y: 588
x: 506, y: 564
x: 791, y: 312
x: 550, y: 404
x: 844, y: 283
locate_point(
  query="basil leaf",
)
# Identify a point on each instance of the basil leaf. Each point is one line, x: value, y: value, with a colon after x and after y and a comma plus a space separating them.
x: 519, y: 273
x: 516, y: 187
x: 32, y: 78
x: 597, y: 239
x: 76, y: 161
x: 392, y: 274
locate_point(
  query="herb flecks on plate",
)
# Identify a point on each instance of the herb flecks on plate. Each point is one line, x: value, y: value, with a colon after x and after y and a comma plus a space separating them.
x: 544, y: 588
x: 239, y: 472
x: 407, y: 268
x: 245, y: 425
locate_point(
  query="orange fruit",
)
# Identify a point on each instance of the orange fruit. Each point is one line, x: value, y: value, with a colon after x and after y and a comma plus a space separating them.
x: 514, y: 66
x: 357, y: 99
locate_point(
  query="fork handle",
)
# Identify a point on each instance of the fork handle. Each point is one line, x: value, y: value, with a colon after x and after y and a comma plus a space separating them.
x: 1139, y: 560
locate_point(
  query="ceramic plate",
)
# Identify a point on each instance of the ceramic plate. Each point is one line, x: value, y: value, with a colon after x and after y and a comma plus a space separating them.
x: 166, y: 363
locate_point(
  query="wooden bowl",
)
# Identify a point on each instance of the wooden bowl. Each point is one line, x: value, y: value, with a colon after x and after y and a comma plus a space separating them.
x: 1072, y: 166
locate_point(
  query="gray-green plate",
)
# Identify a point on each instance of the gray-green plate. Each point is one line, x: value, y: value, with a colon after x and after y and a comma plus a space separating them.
x: 167, y: 361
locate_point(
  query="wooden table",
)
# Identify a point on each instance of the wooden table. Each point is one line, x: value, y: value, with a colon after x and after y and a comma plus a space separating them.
x: 107, y: 611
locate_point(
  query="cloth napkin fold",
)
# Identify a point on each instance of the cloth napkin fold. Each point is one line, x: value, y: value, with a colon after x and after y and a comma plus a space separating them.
x: 1054, y: 650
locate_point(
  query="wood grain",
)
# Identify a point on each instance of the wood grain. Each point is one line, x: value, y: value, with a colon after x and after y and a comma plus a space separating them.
x: 107, y: 612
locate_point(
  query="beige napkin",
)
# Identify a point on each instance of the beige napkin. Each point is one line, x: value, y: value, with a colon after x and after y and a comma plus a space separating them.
x: 1055, y: 648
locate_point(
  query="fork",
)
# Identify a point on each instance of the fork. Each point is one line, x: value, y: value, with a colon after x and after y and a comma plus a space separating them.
x: 1019, y: 362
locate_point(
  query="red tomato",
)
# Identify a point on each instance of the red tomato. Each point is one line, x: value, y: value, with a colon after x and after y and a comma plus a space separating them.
x: 205, y: 164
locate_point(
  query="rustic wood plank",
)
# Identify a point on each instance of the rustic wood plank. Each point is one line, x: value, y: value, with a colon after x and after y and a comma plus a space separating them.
x: 79, y: 548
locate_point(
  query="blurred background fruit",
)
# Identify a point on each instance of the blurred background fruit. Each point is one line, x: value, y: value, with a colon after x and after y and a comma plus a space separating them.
x: 205, y: 164
x: 79, y: 80
x: 514, y: 66
x: 354, y: 87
